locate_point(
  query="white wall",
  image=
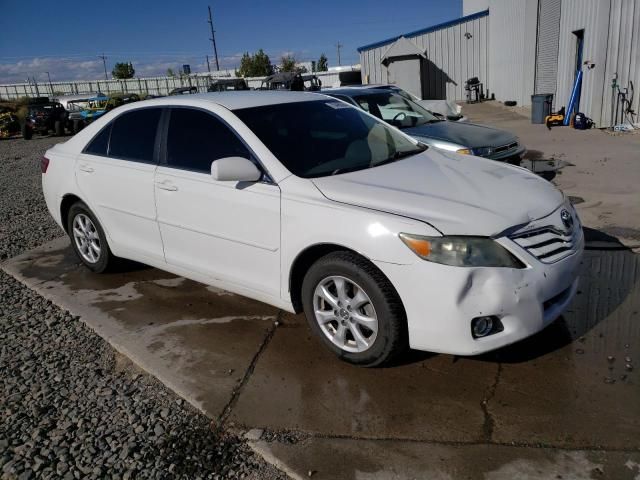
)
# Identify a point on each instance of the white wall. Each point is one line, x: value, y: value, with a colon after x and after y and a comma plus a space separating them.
x: 512, y: 47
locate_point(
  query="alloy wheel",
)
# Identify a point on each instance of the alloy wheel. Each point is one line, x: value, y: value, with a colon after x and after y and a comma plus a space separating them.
x: 86, y: 237
x: 345, y: 314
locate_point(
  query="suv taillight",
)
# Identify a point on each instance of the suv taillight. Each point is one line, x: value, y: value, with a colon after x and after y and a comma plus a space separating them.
x: 44, y: 164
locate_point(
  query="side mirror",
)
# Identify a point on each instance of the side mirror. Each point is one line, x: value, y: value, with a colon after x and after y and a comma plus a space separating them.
x: 235, y: 169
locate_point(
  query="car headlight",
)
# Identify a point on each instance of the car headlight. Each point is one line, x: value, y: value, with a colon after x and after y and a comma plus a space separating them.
x: 482, y: 151
x: 461, y: 251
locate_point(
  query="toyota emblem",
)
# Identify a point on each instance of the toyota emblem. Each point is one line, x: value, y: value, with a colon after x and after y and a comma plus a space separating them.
x: 567, y: 219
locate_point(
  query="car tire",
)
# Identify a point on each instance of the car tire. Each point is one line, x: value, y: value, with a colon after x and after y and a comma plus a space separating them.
x: 367, y: 294
x: 58, y: 128
x: 88, y: 239
x: 27, y: 132
x: 78, y: 125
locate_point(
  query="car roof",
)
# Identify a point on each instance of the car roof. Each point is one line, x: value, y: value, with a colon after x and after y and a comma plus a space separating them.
x: 236, y: 100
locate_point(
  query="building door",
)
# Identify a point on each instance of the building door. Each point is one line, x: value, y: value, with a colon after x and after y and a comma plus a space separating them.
x: 578, y: 66
x: 405, y: 73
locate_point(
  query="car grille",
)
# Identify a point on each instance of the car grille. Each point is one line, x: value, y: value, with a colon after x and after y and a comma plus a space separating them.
x: 504, y: 148
x: 548, y: 244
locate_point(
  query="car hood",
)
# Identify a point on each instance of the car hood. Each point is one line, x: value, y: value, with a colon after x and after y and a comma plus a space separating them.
x: 456, y: 194
x: 465, y: 134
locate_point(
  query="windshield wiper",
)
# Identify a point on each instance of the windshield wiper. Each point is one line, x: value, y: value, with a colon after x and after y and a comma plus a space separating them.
x: 400, y: 155
x: 396, y: 156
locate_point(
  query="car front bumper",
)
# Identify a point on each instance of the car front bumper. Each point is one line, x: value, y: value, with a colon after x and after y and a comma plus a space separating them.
x: 509, y: 156
x: 440, y: 301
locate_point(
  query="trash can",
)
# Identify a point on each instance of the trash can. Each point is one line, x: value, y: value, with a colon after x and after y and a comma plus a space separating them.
x: 540, y: 106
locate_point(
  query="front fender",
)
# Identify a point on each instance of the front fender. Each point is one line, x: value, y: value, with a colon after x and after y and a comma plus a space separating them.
x: 309, y: 218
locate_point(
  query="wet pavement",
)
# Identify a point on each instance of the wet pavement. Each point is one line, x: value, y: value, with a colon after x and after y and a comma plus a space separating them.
x: 564, y: 402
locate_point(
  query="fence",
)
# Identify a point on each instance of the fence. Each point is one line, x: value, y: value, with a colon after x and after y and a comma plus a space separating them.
x: 151, y: 86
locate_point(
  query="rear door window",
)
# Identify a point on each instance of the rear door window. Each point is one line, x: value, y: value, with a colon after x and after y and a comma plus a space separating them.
x: 196, y: 138
x: 133, y: 135
x: 100, y: 143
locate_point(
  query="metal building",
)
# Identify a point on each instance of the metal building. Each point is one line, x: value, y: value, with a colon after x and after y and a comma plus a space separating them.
x: 447, y: 55
x: 521, y: 47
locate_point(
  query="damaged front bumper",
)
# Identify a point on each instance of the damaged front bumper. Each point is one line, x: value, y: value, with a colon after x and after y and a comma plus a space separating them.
x: 441, y: 301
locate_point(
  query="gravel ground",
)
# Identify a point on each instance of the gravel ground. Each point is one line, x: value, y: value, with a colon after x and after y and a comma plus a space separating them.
x: 24, y: 220
x: 70, y: 406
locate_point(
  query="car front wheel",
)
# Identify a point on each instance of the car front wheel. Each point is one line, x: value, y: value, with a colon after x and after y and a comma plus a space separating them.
x: 354, y: 310
x: 88, y: 239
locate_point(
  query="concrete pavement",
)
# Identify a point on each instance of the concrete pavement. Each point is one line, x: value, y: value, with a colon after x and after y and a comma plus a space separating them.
x: 566, y: 400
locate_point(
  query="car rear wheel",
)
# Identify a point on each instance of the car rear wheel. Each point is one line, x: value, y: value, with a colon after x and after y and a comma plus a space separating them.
x: 88, y: 239
x: 354, y: 310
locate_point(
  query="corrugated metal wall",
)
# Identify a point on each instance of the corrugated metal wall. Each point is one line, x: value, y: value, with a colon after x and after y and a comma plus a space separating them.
x: 611, y: 42
x: 623, y: 54
x: 452, y: 58
x: 593, y: 17
x: 547, y: 45
x: 512, y: 44
x: 474, y: 6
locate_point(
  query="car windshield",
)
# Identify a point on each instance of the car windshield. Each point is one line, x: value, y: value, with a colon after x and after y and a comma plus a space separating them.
x: 395, y: 109
x: 321, y: 138
x: 404, y: 94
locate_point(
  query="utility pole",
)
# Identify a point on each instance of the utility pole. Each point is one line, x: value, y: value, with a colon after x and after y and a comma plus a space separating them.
x: 50, y: 85
x: 104, y: 64
x: 338, y: 47
x: 208, y: 66
x: 213, y: 39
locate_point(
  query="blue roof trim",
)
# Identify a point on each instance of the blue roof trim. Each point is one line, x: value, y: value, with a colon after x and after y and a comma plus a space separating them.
x: 415, y: 33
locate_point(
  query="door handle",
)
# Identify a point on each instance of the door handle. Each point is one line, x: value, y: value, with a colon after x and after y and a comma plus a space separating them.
x: 166, y: 185
x: 85, y: 168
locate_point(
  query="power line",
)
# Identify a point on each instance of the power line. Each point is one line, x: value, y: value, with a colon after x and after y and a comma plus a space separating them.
x: 213, y: 39
x: 338, y: 47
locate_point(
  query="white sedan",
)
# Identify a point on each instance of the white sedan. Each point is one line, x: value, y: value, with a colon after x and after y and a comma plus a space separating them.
x: 308, y: 204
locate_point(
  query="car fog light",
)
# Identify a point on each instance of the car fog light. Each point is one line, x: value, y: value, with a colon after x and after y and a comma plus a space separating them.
x: 481, y: 326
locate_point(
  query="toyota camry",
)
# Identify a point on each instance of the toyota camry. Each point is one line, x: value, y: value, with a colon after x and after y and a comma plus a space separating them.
x: 306, y: 203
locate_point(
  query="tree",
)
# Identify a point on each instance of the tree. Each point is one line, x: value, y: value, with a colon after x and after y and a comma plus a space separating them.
x: 323, y: 63
x: 256, y: 65
x: 123, y: 70
x: 288, y: 64
x: 170, y: 72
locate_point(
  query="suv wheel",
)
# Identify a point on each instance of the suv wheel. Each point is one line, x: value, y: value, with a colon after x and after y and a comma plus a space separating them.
x: 354, y: 309
x: 58, y: 128
x: 27, y: 131
x: 88, y: 239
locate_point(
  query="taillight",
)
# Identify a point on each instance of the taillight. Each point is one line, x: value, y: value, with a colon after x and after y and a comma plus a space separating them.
x: 44, y: 164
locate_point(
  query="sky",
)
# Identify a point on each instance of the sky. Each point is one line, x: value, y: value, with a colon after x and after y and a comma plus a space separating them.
x: 65, y: 37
